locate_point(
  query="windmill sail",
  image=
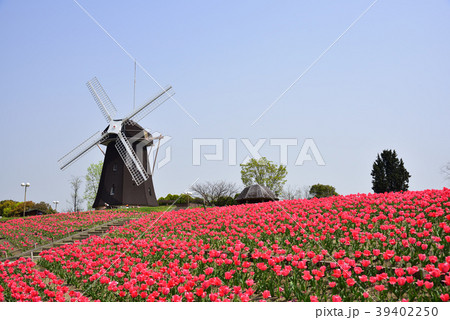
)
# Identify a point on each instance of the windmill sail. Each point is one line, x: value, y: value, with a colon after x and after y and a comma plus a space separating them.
x: 101, y: 98
x: 81, y: 149
x: 126, y: 152
x: 154, y: 103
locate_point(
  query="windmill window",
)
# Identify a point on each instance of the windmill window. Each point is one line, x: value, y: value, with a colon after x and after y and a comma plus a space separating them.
x: 115, y: 167
x: 113, y: 189
x: 149, y: 191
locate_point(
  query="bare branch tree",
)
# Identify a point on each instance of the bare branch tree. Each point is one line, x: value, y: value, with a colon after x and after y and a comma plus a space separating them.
x: 446, y: 171
x: 291, y: 193
x: 202, y: 190
x: 76, y: 198
x: 294, y: 192
x: 305, y: 192
x: 213, y: 191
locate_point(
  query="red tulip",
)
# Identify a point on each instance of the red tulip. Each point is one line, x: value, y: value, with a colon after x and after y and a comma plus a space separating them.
x: 380, y: 287
x: 445, y: 297
x: 244, y: 298
x: 336, y: 298
x: 176, y: 298
x: 401, y: 281
x: 365, y: 263
x: 444, y: 267
x: 399, y: 272
x: 250, y: 282
x: 350, y: 282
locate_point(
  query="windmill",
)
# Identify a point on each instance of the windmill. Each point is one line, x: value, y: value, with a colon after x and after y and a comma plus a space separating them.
x: 126, y: 178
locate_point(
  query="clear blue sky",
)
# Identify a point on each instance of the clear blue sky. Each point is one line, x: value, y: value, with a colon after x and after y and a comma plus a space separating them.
x: 385, y: 84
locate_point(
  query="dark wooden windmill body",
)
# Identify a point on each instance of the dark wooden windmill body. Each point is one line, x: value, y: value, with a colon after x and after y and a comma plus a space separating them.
x: 126, y: 178
x: 116, y: 185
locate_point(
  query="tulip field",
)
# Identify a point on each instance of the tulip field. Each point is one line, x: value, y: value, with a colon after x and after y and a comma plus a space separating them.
x: 363, y: 247
x: 25, y: 234
x: 21, y: 281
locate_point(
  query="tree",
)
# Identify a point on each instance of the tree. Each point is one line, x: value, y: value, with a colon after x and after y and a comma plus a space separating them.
x: 264, y: 173
x: 94, y: 172
x: 291, y: 193
x: 305, y: 192
x: 75, y: 198
x: 446, y: 171
x: 389, y: 173
x: 226, y: 201
x: 18, y: 210
x: 10, y: 208
x: 215, y: 193
x: 175, y: 199
x: 322, y: 190
x: 43, y: 207
x: 7, y: 207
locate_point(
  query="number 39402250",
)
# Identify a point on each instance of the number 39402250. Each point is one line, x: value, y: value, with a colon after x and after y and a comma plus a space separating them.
x: 407, y: 311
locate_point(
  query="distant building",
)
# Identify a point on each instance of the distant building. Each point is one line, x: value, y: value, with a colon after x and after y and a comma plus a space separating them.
x: 256, y: 193
x: 34, y: 212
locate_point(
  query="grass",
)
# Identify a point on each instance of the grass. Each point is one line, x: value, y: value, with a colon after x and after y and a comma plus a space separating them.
x: 148, y: 209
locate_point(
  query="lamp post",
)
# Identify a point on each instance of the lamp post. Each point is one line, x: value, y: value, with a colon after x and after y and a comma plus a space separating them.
x: 26, y: 185
x: 56, y: 204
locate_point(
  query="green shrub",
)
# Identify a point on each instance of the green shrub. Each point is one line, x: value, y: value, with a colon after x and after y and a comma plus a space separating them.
x: 322, y: 191
x: 225, y: 201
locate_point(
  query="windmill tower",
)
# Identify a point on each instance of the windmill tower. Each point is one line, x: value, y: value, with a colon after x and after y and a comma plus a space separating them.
x: 126, y: 178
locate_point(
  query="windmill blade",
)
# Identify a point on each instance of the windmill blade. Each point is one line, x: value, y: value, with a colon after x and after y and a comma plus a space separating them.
x: 101, y: 98
x: 126, y: 152
x: 150, y: 105
x: 81, y: 149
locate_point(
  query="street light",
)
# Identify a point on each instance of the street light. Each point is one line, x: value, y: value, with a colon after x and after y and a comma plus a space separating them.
x: 26, y: 185
x: 56, y: 204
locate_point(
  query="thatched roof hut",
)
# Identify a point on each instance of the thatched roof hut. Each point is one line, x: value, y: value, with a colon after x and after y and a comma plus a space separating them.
x: 256, y: 193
